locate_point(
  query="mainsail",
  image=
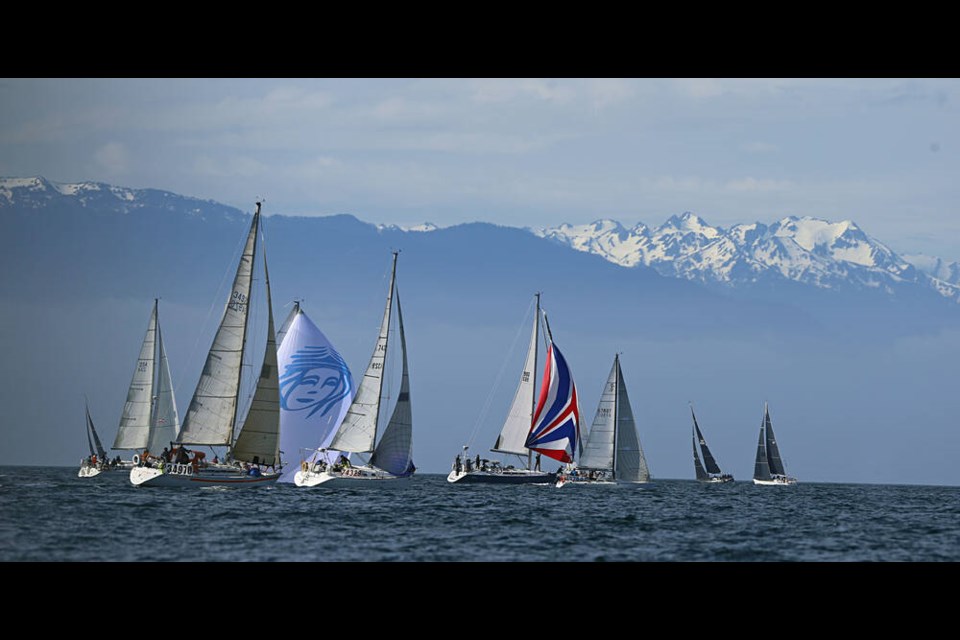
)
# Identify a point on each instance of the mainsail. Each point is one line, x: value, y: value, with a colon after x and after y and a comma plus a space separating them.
x: 773, y: 451
x: 358, y: 431
x: 598, y: 452
x: 316, y: 388
x: 149, y: 419
x: 93, y: 440
x: 761, y: 467
x: 394, y: 453
x: 555, y: 431
x: 165, y: 422
x: 212, y: 414
x: 134, y: 429
x: 708, y: 460
x: 513, y: 434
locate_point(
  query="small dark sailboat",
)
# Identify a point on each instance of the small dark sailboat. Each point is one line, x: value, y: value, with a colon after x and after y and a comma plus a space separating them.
x: 709, y: 470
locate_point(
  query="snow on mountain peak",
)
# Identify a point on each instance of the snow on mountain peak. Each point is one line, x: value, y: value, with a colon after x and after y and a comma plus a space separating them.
x: 803, y: 249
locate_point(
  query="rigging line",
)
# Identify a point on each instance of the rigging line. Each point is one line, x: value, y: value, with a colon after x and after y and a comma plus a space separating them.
x: 481, y: 417
x: 196, y: 352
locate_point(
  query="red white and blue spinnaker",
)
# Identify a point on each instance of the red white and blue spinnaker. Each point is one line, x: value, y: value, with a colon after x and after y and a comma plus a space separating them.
x: 555, y: 431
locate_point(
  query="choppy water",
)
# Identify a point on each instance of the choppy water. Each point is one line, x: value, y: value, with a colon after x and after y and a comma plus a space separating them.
x: 48, y: 514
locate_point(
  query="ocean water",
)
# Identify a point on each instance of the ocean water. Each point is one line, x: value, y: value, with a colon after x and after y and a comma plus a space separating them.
x: 51, y: 515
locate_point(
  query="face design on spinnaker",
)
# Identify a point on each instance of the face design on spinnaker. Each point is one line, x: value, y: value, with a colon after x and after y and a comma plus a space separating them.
x: 316, y: 380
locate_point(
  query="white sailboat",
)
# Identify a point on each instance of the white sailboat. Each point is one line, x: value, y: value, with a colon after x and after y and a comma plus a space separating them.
x: 391, y: 458
x: 768, y: 467
x: 149, y: 420
x: 213, y: 411
x: 550, y: 427
x: 612, y: 453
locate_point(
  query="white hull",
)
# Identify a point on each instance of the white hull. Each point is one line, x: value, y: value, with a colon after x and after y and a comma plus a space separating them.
x: 183, y: 476
x: 716, y: 480
x: 88, y: 472
x: 513, y: 476
x: 353, y: 477
x: 777, y: 481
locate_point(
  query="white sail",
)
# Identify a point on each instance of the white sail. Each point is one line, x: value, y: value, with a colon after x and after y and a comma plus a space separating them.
x: 358, y: 431
x: 213, y: 410
x: 316, y: 389
x: 282, y: 331
x: 165, y: 423
x: 134, y: 429
x: 516, y: 427
x: 631, y: 465
x: 598, y: 449
x: 394, y: 452
x: 259, y: 438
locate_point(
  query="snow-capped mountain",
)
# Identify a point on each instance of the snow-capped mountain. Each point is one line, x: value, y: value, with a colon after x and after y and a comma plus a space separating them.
x: 423, y: 228
x: 830, y: 255
x: 946, y: 271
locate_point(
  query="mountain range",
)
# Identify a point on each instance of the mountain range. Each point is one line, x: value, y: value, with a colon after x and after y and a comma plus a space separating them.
x: 852, y: 344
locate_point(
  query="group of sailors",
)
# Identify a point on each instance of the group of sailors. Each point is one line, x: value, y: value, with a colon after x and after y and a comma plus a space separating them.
x: 95, y: 462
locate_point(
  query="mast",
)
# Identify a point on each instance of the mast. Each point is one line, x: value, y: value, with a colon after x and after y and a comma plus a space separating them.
x: 536, y: 350
x: 616, y: 404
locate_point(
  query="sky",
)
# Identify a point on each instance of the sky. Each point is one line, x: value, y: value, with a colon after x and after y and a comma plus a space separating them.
x: 883, y: 152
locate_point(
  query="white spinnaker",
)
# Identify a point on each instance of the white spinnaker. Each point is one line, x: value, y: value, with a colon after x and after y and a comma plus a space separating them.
x: 316, y: 389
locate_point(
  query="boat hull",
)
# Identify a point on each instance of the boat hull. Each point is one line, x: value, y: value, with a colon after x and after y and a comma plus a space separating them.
x: 354, y: 477
x: 154, y: 477
x: 717, y: 480
x: 501, y: 477
x: 88, y: 472
x: 776, y: 482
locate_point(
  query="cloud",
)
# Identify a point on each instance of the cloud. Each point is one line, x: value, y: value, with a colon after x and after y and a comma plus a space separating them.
x: 113, y: 158
x: 507, y: 90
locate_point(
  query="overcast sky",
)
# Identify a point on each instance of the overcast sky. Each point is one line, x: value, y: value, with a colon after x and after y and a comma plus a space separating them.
x: 522, y: 152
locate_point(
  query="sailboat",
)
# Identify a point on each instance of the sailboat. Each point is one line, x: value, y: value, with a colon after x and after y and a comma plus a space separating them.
x: 316, y: 389
x: 549, y: 426
x: 149, y: 419
x: 712, y: 471
x: 213, y: 411
x: 612, y: 453
x: 392, y: 457
x: 768, y: 468
x: 96, y: 462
